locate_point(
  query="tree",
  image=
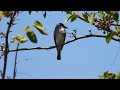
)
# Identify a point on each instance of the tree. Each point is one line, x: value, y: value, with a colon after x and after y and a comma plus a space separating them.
x: 102, y: 20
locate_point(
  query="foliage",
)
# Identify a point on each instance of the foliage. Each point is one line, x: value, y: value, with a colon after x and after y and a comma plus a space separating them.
x: 1, y: 15
x: 18, y: 38
x: 31, y: 35
x: 109, y: 37
x: 103, y: 20
x: 39, y: 27
x: 109, y: 75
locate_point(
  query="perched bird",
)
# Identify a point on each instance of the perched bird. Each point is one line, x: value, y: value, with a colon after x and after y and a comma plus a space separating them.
x: 59, y: 38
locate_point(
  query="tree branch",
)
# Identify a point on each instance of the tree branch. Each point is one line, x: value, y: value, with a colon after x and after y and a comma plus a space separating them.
x: 106, y: 29
x: 51, y: 47
x: 6, y: 45
x: 115, y: 24
x: 1, y: 73
x: 15, y: 69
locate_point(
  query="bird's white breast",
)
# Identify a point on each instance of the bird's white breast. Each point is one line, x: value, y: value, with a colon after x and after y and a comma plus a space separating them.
x: 60, y: 36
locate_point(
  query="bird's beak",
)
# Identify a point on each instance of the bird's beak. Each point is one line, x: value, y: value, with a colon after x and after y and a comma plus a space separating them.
x: 66, y: 27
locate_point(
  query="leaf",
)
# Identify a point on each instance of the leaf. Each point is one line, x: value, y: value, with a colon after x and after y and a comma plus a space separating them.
x: 85, y: 17
x: 26, y: 28
x: 20, y: 38
x: 69, y: 12
x: 117, y: 28
x: 31, y: 35
x: 106, y: 74
x: 101, y: 14
x: 118, y: 76
x: 112, y: 76
x: 67, y: 19
x: 29, y: 12
x: 116, y: 16
x: 73, y: 18
x: 44, y: 14
x: 92, y: 16
x: 100, y: 77
x: 6, y: 14
x: 13, y: 39
x: 110, y: 13
x: 39, y: 27
x: 109, y: 37
x: 1, y: 15
x: 119, y: 34
x: 23, y: 40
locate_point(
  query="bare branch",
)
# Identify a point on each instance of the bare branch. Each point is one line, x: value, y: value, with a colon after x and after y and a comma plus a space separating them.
x: 6, y: 45
x: 15, y: 69
x: 1, y: 73
x: 77, y: 38
x: 115, y: 24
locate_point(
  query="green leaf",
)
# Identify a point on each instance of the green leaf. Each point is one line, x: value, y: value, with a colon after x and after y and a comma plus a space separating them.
x: 110, y: 13
x: 44, y: 14
x: 6, y: 14
x: 119, y: 34
x: 92, y: 16
x: 68, y: 18
x: 23, y: 40
x: 39, y: 27
x: 20, y: 38
x: 73, y: 18
x: 31, y: 35
x: 29, y: 12
x: 26, y: 28
x: 13, y: 39
x: 112, y: 76
x: 117, y: 28
x: 85, y: 17
x: 116, y: 16
x: 69, y: 12
x: 100, y: 76
x: 109, y: 37
x: 118, y: 76
x: 101, y: 14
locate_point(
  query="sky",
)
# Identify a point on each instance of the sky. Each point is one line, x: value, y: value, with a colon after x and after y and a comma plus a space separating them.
x: 81, y: 59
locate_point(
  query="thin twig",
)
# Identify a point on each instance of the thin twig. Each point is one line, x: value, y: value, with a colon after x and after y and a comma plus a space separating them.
x: 6, y: 45
x: 1, y: 73
x: 51, y: 47
x: 15, y: 69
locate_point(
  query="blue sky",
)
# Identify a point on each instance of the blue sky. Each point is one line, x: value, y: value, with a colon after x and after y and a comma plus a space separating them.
x: 82, y: 59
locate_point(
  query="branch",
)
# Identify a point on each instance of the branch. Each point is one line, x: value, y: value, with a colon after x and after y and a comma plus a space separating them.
x: 115, y: 24
x: 51, y: 47
x: 6, y: 45
x: 106, y: 29
x: 1, y: 73
x: 15, y: 69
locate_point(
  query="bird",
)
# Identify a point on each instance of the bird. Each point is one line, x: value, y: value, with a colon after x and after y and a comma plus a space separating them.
x: 59, y: 38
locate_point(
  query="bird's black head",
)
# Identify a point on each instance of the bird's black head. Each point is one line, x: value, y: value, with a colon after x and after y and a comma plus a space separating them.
x: 61, y: 24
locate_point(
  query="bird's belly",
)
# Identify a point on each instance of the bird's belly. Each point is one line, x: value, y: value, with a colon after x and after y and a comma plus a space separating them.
x: 60, y: 39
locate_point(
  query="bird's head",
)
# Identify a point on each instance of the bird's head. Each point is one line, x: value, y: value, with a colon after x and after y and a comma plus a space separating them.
x: 62, y: 25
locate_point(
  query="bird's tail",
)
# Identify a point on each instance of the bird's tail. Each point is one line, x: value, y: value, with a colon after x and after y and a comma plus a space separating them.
x: 59, y: 55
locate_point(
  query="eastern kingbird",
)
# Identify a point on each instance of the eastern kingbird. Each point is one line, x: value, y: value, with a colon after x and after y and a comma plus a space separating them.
x: 59, y: 38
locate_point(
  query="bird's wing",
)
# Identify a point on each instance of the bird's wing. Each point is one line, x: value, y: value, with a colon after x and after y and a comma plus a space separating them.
x: 55, y: 37
x: 64, y: 40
